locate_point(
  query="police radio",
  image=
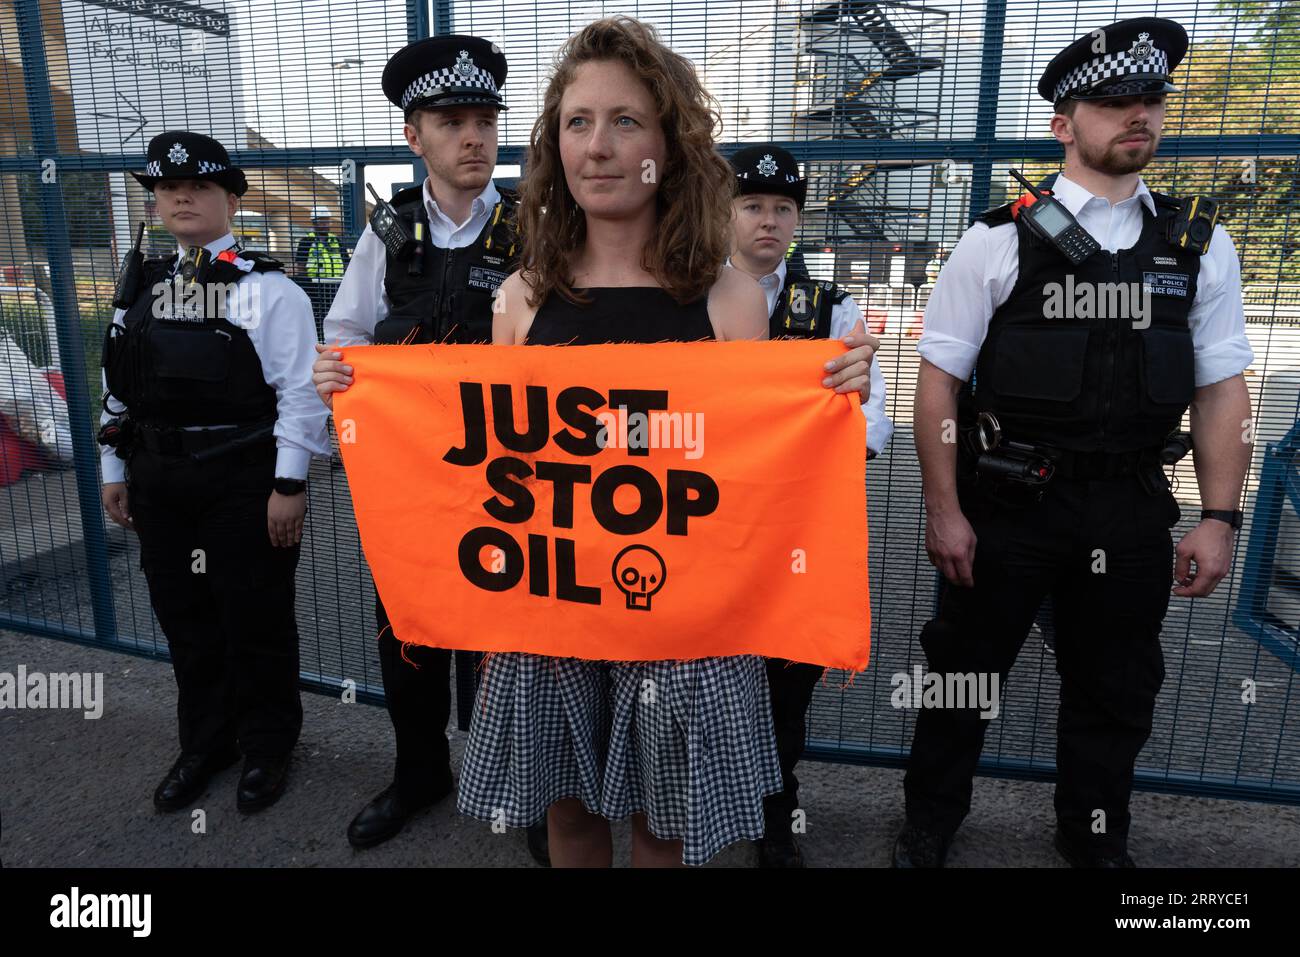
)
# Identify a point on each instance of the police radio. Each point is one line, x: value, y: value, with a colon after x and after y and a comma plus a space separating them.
x: 1051, y: 222
x: 128, y: 280
x: 390, y: 228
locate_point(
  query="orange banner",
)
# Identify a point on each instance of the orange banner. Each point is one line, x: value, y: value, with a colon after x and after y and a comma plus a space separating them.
x: 615, y: 502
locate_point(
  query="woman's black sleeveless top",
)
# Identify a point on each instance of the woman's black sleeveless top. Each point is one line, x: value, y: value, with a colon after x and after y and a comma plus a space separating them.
x: 619, y: 314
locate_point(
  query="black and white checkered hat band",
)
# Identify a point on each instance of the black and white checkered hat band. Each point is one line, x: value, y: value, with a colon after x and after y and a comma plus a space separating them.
x: 446, y: 78
x: 1111, y: 65
x: 154, y: 168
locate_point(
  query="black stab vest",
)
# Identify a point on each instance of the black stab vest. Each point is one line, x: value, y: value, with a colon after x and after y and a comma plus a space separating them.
x: 1070, y: 363
x: 803, y: 309
x: 175, y: 372
x: 450, y: 299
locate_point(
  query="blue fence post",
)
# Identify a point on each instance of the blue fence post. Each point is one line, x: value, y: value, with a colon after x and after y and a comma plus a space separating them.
x: 354, y: 203
x: 986, y: 117
x: 417, y: 28
x: 441, y: 18
x: 40, y: 113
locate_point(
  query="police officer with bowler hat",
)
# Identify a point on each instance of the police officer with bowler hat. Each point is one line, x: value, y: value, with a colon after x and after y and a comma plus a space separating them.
x: 210, y: 422
x: 771, y: 194
x: 1092, y: 312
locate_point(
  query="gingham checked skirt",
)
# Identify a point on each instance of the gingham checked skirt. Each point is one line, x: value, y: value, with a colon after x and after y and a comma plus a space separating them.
x: 688, y: 743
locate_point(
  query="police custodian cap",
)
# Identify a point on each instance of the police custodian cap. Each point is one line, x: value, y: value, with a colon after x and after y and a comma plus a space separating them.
x: 766, y: 168
x: 180, y: 154
x: 1128, y: 58
x: 446, y: 71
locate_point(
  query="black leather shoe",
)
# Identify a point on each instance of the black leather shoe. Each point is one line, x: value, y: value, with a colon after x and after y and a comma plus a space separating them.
x: 539, y: 843
x: 920, y: 847
x: 262, y: 783
x: 779, y: 849
x: 188, y: 778
x: 387, y: 813
x: 1081, y: 857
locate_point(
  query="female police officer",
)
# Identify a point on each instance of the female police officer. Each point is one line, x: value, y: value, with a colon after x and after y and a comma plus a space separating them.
x: 211, y: 409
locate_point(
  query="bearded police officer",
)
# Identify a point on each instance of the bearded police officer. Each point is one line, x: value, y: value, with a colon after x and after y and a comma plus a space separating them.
x: 425, y: 270
x: 767, y: 210
x: 1092, y: 317
x: 210, y: 422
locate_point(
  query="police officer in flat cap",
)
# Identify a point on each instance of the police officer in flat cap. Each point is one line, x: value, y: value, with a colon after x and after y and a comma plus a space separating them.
x: 771, y: 193
x: 425, y: 270
x: 1087, y: 317
x: 210, y: 422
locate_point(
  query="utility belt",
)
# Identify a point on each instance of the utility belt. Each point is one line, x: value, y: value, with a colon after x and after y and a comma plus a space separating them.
x: 1020, y: 472
x: 201, y: 445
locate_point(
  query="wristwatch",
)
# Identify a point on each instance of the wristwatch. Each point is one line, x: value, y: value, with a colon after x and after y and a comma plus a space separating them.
x: 286, y: 486
x: 1223, y: 515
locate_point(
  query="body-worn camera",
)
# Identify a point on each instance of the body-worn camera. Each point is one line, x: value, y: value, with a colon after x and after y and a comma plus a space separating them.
x: 1193, y: 226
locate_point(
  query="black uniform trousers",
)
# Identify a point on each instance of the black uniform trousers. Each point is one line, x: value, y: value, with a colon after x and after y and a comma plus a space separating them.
x: 791, y: 685
x: 223, y: 595
x: 1102, y: 551
x: 417, y: 690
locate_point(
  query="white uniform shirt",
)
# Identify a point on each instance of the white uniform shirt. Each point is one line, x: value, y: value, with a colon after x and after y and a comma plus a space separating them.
x: 984, y: 266
x: 361, y: 303
x: 283, y: 334
x: 844, y: 317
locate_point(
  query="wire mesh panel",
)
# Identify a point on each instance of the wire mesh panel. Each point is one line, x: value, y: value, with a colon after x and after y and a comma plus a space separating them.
x: 906, y: 117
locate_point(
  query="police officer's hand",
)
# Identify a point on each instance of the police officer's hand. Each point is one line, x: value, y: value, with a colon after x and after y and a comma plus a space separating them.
x: 284, y: 518
x: 950, y: 543
x: 851, y: 372
x: 329, y: 374
x: 113, y: 495
x: 1209, y: 546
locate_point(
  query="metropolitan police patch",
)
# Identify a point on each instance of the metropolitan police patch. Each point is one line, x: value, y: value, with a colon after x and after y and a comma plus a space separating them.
x: 486, y: 279
x: 1167, y: 283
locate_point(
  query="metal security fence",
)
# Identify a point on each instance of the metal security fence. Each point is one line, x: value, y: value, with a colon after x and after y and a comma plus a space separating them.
x: 906, y: 116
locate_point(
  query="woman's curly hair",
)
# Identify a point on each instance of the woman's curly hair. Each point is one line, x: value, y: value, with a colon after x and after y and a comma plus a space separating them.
x: 693, y: 202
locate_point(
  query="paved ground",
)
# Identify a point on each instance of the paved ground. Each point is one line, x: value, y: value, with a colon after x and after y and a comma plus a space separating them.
x: 76, y: 792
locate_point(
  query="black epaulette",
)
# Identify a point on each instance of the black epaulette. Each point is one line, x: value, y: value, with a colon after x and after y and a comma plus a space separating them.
x: 829, y: 289
x: 997, y: 216
x: 405, y: 197
x: 223, y: 270
x: 262, y: 261
x: 837, y: 294
x: 1164, y: 201
x: 832, y: 291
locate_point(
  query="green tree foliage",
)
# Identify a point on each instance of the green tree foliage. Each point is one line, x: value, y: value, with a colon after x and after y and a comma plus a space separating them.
x: 1245, y: 81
